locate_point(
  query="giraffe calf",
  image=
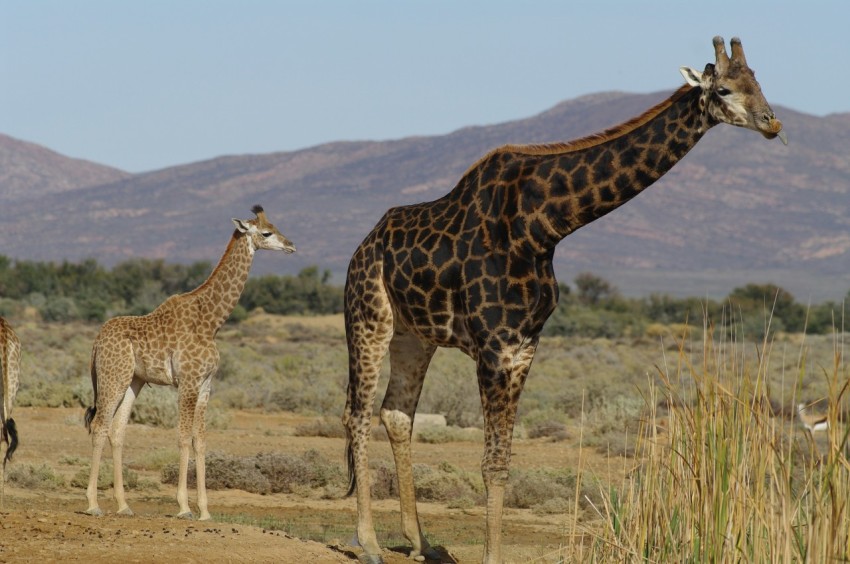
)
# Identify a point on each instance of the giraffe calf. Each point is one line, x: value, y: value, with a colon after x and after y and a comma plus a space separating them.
x: 172, y: 346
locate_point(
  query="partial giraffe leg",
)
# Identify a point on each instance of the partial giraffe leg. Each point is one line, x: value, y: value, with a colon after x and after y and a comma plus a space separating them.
x: 501, y: 376
x: 193, y: 394
x: 113, y: 383
x: 187, y: 401
x: 199, y: 441
x: 409, y: 359
x: 369, y: 330
x: 116, y: 439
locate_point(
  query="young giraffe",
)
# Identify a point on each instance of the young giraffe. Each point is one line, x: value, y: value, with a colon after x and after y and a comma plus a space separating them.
x: 473, y: 270
x: 10, y: 368
x: 172, y: 346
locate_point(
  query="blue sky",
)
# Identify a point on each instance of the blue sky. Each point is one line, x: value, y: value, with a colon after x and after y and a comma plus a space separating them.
x: 141, y: 85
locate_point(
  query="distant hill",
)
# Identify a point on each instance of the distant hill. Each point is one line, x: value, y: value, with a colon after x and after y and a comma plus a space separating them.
x: 29, y: 170
x: 737, y: 209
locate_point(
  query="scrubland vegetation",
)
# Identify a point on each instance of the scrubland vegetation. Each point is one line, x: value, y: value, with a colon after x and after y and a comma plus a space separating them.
x: 695, y: 398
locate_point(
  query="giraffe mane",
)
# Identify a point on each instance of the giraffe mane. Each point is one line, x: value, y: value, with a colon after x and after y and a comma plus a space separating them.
x: 590, y: 140
x: 218, y: 266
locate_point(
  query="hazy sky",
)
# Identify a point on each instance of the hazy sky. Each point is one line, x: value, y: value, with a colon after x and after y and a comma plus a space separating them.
x: 141, y: 85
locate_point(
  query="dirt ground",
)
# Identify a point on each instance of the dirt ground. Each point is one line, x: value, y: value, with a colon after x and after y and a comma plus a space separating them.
x: 47, y: 524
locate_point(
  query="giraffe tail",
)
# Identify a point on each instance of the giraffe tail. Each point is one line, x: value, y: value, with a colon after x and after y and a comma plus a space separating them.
x: 10, y: 436
x: 349, y: 455
x: 91, y: 411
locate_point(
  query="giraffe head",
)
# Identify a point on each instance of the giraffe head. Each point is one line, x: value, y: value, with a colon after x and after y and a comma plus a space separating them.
x: 262, y: 234
x: 731, y: 94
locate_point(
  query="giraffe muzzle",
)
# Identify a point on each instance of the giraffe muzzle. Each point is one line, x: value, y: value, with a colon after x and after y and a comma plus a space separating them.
x: 774, y: 129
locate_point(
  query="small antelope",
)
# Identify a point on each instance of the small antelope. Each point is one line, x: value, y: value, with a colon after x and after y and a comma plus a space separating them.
x: 811, y: 422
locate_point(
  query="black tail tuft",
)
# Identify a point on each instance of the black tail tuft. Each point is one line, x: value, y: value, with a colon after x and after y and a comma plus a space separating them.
x: 10, y: 432
x: 90, y: 412
x: 352, y: 482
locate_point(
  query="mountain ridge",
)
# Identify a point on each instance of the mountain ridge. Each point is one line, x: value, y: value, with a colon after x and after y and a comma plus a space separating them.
x: 737, y: 209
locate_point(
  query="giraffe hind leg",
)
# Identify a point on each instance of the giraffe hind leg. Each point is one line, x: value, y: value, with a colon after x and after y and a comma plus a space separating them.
x: 199, y: 444
x: 368, y: 340
x: 119, y: 377
x: 409, y: 359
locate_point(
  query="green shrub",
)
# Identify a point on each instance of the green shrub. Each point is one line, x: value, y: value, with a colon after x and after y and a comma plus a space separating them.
x: 434, y: 434
x: 311, y: 470
x: 223, y: 472
x: 330, y: 427
x: 448, y: 483
x: 30, y: 477
x: 157, y: 407
x: 45, y: 394
x: 264, y: 473
x: 156, y: 459
x: 105, y: 478
x: 554, y: 430
x: 384, y: 480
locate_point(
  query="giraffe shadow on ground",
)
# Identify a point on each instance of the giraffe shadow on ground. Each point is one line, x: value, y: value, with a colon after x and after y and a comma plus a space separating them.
x: 444, y: 558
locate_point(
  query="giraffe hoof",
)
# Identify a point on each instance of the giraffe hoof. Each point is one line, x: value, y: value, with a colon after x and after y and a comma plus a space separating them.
x: 94, y: 511
x: 371, y: 558
x: 427, y: 554
x: 188, y: 515
x: 127, y: 512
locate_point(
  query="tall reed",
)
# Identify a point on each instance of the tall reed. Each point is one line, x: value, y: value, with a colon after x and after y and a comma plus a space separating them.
x: 722, y: 477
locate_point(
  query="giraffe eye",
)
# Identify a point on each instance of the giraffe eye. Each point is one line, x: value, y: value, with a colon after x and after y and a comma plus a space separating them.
x: 723, y: 91
x: 267, y: 233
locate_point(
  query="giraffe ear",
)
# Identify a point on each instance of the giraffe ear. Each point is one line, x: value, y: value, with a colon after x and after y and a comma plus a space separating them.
x: 241, y: 226
x: 692, y: 76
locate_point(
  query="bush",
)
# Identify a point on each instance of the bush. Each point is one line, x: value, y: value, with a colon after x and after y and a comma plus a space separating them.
x: 106, y: 478
x: 448, y: 483
x: 31, y: 477
x: 434, y: 434
x: 264, y: 473
x: 287, y: 473
x: 329, y: 427
x: 158, y: 408
x: 554, y: 430
x: 223, y: 472
x: 384, y: 480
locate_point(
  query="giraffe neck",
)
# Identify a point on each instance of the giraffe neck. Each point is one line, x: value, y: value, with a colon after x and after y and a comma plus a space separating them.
x: 220, y: 293
x: 576, y: 183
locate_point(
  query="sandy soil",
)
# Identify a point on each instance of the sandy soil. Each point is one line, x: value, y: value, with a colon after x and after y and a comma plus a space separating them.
x: 47, y: 525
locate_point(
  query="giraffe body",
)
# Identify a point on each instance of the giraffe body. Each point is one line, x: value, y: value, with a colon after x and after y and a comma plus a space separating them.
x: 473, y: 270
x: 172, y: 346
x: 10, y: 369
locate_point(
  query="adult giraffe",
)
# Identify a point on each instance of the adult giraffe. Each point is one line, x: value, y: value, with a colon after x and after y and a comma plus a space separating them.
x: 473, y: 270
x: 172, y: 346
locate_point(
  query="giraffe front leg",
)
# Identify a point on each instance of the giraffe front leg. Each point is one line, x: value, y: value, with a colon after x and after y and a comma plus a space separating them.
x: 501, y: 376
x: 199, y: 442
x: 186, y: 408
x: 494, y: 469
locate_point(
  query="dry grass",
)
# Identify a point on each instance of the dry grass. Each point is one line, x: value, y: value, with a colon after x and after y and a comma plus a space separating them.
x: 725, y: 480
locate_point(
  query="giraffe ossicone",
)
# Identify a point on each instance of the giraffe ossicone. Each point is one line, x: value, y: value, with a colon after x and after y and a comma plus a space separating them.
x: 173, y: 346
x: 473, y: 270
